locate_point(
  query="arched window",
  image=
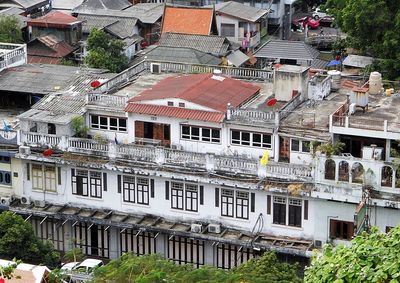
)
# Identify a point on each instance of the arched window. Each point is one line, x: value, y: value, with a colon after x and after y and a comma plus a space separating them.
x: 387, y: 176
x: 330, y: 168
x: 343, y: 171
x: 357, y: 173
x: 398, y: 178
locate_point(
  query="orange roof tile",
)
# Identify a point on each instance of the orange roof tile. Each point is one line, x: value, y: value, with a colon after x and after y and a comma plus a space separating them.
x: 187, y: 20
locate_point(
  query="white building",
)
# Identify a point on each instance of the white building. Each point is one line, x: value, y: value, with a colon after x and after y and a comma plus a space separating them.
x: 172, y: 165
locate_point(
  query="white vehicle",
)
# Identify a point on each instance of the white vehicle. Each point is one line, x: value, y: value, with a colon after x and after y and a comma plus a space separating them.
x: 69, y: 266
x: 87, y: 265
x: 318, y: 14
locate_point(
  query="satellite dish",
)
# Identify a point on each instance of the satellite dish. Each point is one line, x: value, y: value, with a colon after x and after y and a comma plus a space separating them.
x: 272, y: 102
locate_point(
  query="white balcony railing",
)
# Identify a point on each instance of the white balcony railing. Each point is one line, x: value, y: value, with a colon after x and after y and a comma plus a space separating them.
x: 12, y: 55
x: 107, y: 100
x: 171, y: 157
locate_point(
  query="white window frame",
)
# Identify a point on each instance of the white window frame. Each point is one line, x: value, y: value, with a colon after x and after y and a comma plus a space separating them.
x: 251, y: 142
x: 200, y: 137
x: 289, y: 202
x: 107, y: 126
x: 44, y: 177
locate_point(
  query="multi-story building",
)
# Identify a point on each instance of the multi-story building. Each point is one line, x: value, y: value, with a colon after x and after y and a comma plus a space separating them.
x: 202, y: 167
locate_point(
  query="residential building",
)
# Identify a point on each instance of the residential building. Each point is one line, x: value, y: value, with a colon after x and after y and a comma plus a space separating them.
x: 48, y: 49
x: 32, y: 9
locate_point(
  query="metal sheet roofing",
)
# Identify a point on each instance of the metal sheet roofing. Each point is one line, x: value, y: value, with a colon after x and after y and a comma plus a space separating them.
x: 213, y: 44
x: 55, y: 47
x: 214, y: 92
x: 65, y: 4
x: 237, y: 58
x: 121, y: 27
x: 239, y: 10
x: 295, y: 50
x: 357, y: 61
x: 187, y: 20
x: 182, y: 55
x: 30, y: 3
x: 54, y: 18
x: 147, y: 13
x: 176, y: 112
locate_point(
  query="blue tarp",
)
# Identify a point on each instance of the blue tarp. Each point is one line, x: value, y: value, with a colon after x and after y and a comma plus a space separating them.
x: 334, y: 63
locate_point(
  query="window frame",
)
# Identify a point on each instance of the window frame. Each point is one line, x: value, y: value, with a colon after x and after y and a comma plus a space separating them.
x: 228, y: 30
x: 200, y: 137
x: 177, y: 195
x: 227, y: 203
x: 107, y: 125
x: 242, y: 204
x: 287, y: 211
x: 250, y: 142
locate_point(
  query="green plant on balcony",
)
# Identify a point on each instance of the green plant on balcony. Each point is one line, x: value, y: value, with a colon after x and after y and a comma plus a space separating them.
x: 329, y: 149
x: 79, y: 127
x: 100, y: 138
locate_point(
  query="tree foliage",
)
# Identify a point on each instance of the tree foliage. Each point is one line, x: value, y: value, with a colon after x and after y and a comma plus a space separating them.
x: 17, y: 240
x: 105, y: 52
x: 372, y: 28
x: 372, y: 257
x: 10, y: 30
x: 154, y: 269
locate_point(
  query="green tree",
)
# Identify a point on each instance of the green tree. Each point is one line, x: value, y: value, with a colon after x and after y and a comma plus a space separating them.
x: 105, y: 52
x: 372, y: 28
x: 17, y: 240
x: 10, y: 30
x: 371, y: 257
x: 154, y: 269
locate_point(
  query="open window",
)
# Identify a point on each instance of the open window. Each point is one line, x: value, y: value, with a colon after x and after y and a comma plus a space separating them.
x: 387, y: 176
x: 357, y: 173
x: 330, y: 168
x: 343, y: 171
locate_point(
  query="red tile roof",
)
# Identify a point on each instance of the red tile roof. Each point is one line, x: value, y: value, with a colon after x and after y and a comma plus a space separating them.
x: 54, y: 19
x: 177, y: 112
x: 187, y: 20
x: 211, y: 91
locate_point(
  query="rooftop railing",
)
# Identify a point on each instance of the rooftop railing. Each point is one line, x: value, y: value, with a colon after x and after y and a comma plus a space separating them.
x: 12, y: 55
x: 164, y: 156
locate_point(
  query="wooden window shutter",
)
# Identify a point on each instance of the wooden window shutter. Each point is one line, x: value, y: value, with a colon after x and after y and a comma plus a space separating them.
x: 167, y: 190
x: 252, y: 202
x: 216, y: 197
x: 119, y: 181
x: 28, y: 171
x: 201, y: 194
x: 105, y: 182
x: 268, y: 204
x: 59, y: 175
x: 305, y: 209
x: 152, y: 188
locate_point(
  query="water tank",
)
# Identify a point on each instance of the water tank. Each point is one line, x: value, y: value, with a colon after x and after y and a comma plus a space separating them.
x: 335, y: 75
x: 375, y: 83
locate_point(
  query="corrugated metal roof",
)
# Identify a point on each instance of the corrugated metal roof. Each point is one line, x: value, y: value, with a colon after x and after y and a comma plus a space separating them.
x: 26, y: 4
x: 357, y: 61
x: 65, y: 4
x: 187, y: 20
x: 213, y: 44
x: 176, y: 112
x: 284, y: 49
x: 95, y: 21
x: 237, y: 58
x: 56, y: 47
x: 208, y: 90
x: 121, y: 27
x: 239, y: 10
x: 54, y: 18
x: 182, y: 55
x: 147, y: 13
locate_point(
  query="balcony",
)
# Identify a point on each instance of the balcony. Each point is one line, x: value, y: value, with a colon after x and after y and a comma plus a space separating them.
x: 12, y: 55
x: 254, y: 40
x: 206, y: 162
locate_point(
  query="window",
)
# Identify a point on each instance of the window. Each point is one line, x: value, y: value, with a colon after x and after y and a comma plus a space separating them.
x: 330, y: 169
x: 181, y: 104
x: 51, y: 129
x: 242, y: 205
x: 44, y: 177
x: 229, y: 256
x: 184, y: 250
x: 279, y: 210
x: 92, y: 239
x: 227, y: 202
x: 228, y: 30
x: 357, y: 173
x: 177, y: 195
x: 142, y: 190
x: 5, y: 177
x: 295, y: 145
x: 129, y: 188
x: 283, y: 207
x: 189, y: 191
x: 251, y: 139
x: 200, y: 134
x: 108, y: 123
x: 140, y: 243
x: 95, y: 184
x: 5, y: 159
x: 341, y: 229
x: 343, y: 171
x: 170, y: 103
x: 191, y: 196
x: 305, y: 146
x: 80, y: 182
x: 387, y: 176
x: 295, y: 212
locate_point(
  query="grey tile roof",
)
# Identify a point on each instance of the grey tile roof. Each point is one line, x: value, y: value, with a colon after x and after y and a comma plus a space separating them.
x: 319, y: 64
x: 215, y: 45
x: 29, y: 3
x: 182, y: 55
x: 104, y: 4
x: 122, y: 28
x: 239, y: 10
x: 65, y: 4
x: 94, y: 21
x: 147, y: 13
x: 296, y: 50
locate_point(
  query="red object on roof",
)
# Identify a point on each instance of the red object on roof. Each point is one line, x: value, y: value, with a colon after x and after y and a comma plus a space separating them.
x: 48, y: 152
x: 54, y: 19
x: 208, y: 90
x: 95, y: 84
x: 272, y: 102
x: 177, y: 112
x: 187, y: 20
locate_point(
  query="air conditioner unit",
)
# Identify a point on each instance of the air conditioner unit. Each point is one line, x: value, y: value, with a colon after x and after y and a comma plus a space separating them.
x: 24, y: 150
x: 39, y: 203
x: 318, y: 244
x: 155, y: 68
x: 195, y: 228
x: 214, y: 228
x: 6, y: 201
x: 372, y: 152
x: 26, y: 200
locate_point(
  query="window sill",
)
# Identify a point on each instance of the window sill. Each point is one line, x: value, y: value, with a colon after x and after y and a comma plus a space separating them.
x: 89, y: 198
x: 235, y: 219
x: 44, y: 192
x: 136, y: 204
x: 185, y: 211
x: 287, y: 227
